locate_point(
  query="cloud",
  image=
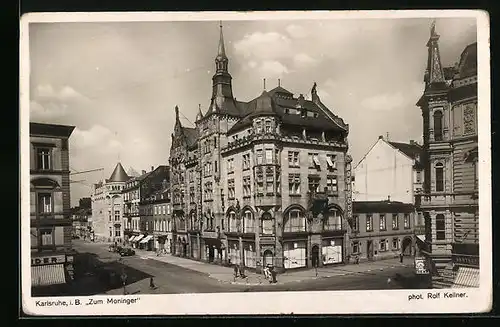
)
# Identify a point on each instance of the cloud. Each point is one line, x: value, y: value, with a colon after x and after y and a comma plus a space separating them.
x: 384, y: 102
x: 47, y: 91
x: 49, y: 110
x: 97, y: 138
x: 273, y: 68
x: 264, y: 46
x: 303, y: 60
x: 296, y: 31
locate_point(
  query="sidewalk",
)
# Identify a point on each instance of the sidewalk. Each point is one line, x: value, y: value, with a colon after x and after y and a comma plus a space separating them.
x: 226, y: 274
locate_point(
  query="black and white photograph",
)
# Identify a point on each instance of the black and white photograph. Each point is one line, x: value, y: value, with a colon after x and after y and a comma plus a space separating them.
x: 255, y: 163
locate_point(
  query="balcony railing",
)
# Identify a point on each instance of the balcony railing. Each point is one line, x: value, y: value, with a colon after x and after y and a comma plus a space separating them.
x: 465, y: 260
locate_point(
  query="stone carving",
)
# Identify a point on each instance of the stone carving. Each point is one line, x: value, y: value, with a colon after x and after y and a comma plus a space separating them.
x: 469, y: 119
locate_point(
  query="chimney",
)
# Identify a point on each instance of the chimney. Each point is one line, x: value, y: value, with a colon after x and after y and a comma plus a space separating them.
x: 388, y: 198
x: 380, y: 137
x: 152, y: 168
x: 143, y: 172
x: 412, y: 142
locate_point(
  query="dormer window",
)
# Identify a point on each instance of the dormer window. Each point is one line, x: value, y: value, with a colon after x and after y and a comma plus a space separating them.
x: 268, y: 126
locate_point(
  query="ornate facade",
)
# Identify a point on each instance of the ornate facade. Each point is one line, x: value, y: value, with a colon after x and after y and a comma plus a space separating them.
x: 449, y: 200
x: 261, y: 182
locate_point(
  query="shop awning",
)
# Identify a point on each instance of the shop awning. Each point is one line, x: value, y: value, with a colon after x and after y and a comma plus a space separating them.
x: 138, y: 238
x: 421, y: 237
x: 316, y: 161
x: 131, y: 239
x: 47, y: 275
x: 466, y: 277
x: 146, y: 239
x: 330, y: 162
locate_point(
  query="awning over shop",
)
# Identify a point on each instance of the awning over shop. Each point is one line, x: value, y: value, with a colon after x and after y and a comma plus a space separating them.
x: 316, y: 161
x: 131, y: 239
x: 330, y: 162
x: 421, y: 238
x: 138, y: 238
x: 47, y: 275
x: 466, y: 277
x: 146, y: 239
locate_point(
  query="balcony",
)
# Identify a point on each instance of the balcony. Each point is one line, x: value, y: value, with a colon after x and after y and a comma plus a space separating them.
x: 267, y: 200
x: 465, y: 260
x: 449, y: 199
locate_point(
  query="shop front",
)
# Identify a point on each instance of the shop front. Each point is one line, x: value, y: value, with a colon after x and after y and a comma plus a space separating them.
x: 195, y: 250
x: 249, y: 254
x: 234, y: 252
x: 331, y: 251
x: 146, y: 243
x: 213, y: 250
x: 294, y: 254
x: 136, y: 241
x: 51, y: 272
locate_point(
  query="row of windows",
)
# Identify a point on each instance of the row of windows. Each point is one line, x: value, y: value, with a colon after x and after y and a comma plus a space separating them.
x: 162, y: 209
x: 162, y: 225
x: 382, y: 222
x: 117, y: 232
x: 383, y: 245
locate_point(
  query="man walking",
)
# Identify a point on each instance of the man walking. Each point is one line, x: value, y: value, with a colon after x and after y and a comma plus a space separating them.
x: 152, y: 283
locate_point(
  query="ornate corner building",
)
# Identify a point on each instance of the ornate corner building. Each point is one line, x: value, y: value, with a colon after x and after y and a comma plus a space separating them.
x: 449, y: 200
x: 261, y: 182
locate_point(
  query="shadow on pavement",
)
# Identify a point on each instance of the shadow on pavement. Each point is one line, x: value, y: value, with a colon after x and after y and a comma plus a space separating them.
x: 97, y: 276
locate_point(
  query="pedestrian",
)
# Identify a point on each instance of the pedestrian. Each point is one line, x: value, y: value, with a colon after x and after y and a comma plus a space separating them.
x: 357, y: 259
x: 273, y: 275
x: 401, y: 257
x: 235, y: 268
x: 152, y: 283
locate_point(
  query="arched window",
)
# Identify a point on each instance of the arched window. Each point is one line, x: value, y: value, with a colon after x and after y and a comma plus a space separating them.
x: 334, y: 220
x: 439, y: 168
x: 440, y: 227
x: 295, y: 221
x: 438, y: 125
x: 248, y: 222
x: 233, y: 227
x: 267, y: 224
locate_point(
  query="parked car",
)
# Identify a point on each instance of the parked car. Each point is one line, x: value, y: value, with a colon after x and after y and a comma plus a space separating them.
x: 126, y: 252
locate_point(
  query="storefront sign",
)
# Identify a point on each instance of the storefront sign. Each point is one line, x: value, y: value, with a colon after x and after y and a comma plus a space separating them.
x: 48, y: 260
x: 421, y: 266
x: 348, y: 189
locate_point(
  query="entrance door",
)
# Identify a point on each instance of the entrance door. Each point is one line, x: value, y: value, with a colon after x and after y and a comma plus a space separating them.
x: 315, y: 256
x: 211, y: 253
x: 268, y: 258
x: 369, y: 249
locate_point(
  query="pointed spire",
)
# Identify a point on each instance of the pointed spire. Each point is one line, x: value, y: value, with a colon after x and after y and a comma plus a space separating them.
x: 119, y: 174
x: 221, y: 53
x: 176, y: 113
x: 434, y: 68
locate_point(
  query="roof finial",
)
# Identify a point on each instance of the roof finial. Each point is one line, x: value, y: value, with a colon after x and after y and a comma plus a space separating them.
x: 387, y: 136
x: 176, y: 112
x: 222, y: 51
x: 279, y: 82
x: 433, y: 28
x: 264, y: 84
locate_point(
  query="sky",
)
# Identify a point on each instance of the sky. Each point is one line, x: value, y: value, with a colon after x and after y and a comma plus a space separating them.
x: 118, y: 82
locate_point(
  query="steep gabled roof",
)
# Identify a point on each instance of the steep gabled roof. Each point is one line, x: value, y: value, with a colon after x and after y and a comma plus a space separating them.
x: 119, y: 174
x: 279, y: 105
x: 191, y: 135
x: 414, y: 151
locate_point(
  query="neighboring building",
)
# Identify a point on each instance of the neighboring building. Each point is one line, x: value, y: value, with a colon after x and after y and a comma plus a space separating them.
x: 107, y: 207
x: 82, y: 219
x: 261, y: 182
x: 161, y: 221
x: 50, y: 207
x: 139, y: 210
x: 389, y: 169
x: 450, y: 192
x: 382, y: 229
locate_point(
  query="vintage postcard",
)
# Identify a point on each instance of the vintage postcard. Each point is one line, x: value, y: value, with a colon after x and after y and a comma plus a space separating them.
x: 226, y: 163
